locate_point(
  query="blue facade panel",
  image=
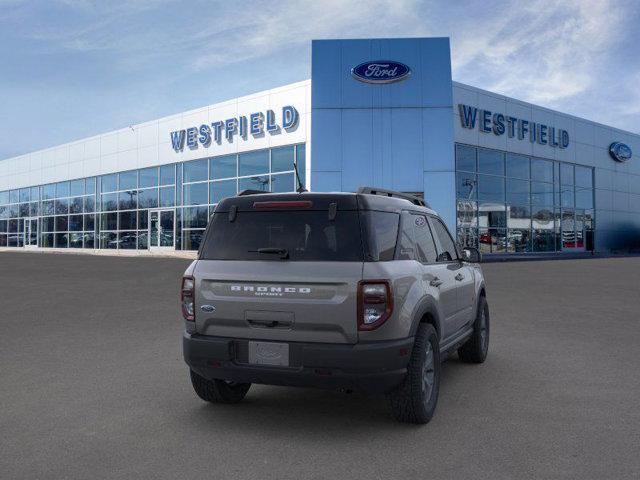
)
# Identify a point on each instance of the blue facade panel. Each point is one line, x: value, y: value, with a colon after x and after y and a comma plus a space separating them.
x: 389, y: 135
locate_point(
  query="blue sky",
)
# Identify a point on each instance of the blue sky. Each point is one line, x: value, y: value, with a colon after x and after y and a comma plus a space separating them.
x: 74, y: 68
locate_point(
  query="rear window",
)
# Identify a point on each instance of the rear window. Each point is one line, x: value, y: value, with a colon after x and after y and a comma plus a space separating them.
x: 305, y: 235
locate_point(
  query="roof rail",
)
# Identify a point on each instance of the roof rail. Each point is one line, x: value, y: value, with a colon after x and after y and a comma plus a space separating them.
x: 249, y: 191
x: 392, y: 193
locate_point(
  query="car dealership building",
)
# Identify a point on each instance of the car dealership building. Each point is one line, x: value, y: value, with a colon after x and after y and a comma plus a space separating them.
x: 507, y: 176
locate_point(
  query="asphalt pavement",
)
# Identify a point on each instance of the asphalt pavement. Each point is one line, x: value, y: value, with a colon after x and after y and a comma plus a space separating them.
x: 93, y: 385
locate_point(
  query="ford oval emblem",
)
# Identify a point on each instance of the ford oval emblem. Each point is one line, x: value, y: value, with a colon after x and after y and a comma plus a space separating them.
x: 620, y: 151
x: 208, y: 308
x: 380, y: 71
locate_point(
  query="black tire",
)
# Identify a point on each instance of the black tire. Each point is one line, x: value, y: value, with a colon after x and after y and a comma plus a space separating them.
x: 414, y: 401
x: 476, y: 348
x: 218, y: 391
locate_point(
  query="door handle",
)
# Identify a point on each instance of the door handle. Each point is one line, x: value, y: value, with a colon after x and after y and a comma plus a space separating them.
x: 436, y: 282
x: 459, y: 277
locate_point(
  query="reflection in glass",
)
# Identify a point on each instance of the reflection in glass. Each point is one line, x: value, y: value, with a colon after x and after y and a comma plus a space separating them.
x: 109, y: 183
x: 109, y: 202
x: 167, y: 195
x: 127, y: 200
x: 108, y: 240
x: 192, y: 239
x: 519, y: 217
x: 492, y: 215
x: 62, y: 206
x: 223, y: 189
x: 492, y: 240
x: 282, y: 183
x: 62, y: 223
x: 568, y: 228
x: 519, y: 240
x: 252, y: 163
x: 491, y: 188
x: 465, y: 158
x: 75, y: 240
x: 148, y: 177
x: 89, y: 240
x: 517, y: 166
x: 61, y: 240
x: 196, y: 194
x: 490, y: 161
x: 167, y: 175
x: 541, y: 170
x: 282, y: 159
x: 195, y: 170
x: 466, y: 186
x: 517, y: 191
x: 566, y: 174
x: 541, y: 193
x: 127, y: 240
x: 128, y: 180
x: 254, y: 183
x: 148, y: 198
x: 223, y: 167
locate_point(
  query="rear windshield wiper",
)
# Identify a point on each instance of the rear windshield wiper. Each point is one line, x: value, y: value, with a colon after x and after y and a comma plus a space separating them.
x: 283, y: 252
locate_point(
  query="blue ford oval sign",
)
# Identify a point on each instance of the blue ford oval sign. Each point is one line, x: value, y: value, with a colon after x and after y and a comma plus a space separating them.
x: 380, y: 71
x: 620, y: 151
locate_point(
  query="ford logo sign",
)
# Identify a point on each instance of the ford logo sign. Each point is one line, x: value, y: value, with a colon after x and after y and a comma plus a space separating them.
x: 380, y: 71
x: 620, y: 151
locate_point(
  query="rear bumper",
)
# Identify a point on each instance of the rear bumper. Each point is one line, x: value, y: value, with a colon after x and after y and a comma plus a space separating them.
x: 370, y: 367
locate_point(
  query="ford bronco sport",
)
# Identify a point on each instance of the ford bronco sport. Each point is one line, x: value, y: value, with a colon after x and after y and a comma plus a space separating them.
x: 356, y: 291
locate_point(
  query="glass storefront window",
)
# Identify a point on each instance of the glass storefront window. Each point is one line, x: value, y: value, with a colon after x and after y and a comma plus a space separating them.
x: 254, y: 183
x: 148, y: 198
x: 76, y: 188
x: 167, y: 175
x: 252, y: 163
x: 518, y: 191
x: 282, y: 159
x: 148, y: 177
x: 196, y: 194
x: 167, y: 195
x: 520, y: 197
x: 541, y: 193
x: 490, y: 161
x: 128, y: 180
x: 109, y: 183
x: 492, y: 240
x: 466, y: 185
x: 283, y: 182
x: 517, y: 166
x: 542, y: 170
x: 465, y: 158
x: 491, y: 188
x: 223, y: 167
x: 584, y: 177
x: 196, y: 170
x: 223, y: 189
x: 117, y: 205
x: 566, y: 174
x: 62, y: 189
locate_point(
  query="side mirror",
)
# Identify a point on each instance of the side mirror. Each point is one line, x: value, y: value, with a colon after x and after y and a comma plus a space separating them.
x: 471, y: 255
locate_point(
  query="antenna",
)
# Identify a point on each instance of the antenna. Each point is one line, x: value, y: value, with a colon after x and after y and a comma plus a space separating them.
x: 300, y: 188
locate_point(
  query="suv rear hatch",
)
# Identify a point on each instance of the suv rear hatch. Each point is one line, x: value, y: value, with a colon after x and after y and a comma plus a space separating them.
x: 281, y: 267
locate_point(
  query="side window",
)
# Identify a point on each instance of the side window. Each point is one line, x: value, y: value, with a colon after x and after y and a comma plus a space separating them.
x: 406, y: 241
x: 424, y: 241
x: 447, y: 251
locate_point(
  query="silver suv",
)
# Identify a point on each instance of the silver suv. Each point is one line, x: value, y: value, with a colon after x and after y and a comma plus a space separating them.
x: 356, y: 291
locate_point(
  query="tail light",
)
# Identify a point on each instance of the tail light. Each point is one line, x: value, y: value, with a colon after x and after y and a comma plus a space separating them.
x: 375, y: 303
x: 187, y: 298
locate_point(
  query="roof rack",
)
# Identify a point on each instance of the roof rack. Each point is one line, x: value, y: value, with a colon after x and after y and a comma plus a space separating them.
x: 249, y: 191
x: 392, y: 193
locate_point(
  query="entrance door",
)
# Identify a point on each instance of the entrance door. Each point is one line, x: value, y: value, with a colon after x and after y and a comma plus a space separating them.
x: 162, y: 229
x: 30, y: 232
x: 572, y: 227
